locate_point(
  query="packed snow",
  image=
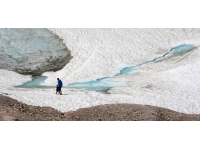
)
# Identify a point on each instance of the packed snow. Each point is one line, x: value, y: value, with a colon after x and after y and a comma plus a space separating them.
x: 171, y: 82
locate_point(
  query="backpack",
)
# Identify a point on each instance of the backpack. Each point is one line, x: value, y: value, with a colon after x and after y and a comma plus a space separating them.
x: 60, y: 83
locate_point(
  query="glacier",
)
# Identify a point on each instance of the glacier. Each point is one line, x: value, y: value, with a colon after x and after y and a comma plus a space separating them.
x: 159, y: 67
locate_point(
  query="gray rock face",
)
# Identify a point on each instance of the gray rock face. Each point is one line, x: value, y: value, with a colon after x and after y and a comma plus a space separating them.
x: 32, y: 51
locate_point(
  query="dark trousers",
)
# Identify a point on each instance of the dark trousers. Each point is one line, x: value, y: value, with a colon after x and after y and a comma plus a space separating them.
x: 58, y: 89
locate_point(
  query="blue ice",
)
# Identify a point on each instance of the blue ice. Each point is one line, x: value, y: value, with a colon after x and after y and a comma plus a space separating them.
x: 182, y: 49
x: 102, y: 84
x: 106, y: 83
x: 36, y: 82
x: 178, y: 50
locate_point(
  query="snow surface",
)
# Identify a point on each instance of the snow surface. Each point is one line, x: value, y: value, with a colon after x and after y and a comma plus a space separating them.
x: 97, y: 53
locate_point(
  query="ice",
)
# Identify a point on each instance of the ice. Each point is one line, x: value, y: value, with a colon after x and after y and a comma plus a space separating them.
x: 172, y: 82
x: 105, y: 83
x: 36, y: 82
x: 31, y: 51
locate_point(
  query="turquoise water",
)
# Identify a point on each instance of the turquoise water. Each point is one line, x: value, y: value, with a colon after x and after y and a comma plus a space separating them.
x: 182, y: 49
x: 102, y: 84
x: 36, y: 83
x: 128, y: 70
x: 106, y: 83
x: 174, y: 51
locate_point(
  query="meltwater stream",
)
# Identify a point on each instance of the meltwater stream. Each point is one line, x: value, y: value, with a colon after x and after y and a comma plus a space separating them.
x: 103, y: 84
x: 178, y: 50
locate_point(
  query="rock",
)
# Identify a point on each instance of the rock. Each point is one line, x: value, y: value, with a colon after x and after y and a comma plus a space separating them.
x: 6, y: 118
x: 109, y: 112
x: 68, y: 114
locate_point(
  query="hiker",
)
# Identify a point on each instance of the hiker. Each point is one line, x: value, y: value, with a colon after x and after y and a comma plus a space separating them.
x: 59, y: 86
x: 57, y: 89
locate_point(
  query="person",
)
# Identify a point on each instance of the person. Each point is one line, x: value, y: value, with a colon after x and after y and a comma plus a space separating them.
x: 57, y: 89
x: 59, y: 86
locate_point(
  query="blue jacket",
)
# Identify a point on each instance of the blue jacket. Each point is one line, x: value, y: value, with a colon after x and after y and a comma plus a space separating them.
x: 60, y: 83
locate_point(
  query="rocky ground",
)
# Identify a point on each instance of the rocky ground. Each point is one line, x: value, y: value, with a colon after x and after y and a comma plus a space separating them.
x: 12, y: 110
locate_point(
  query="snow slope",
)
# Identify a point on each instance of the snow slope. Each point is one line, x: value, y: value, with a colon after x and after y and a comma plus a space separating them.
x: 171, y: 83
